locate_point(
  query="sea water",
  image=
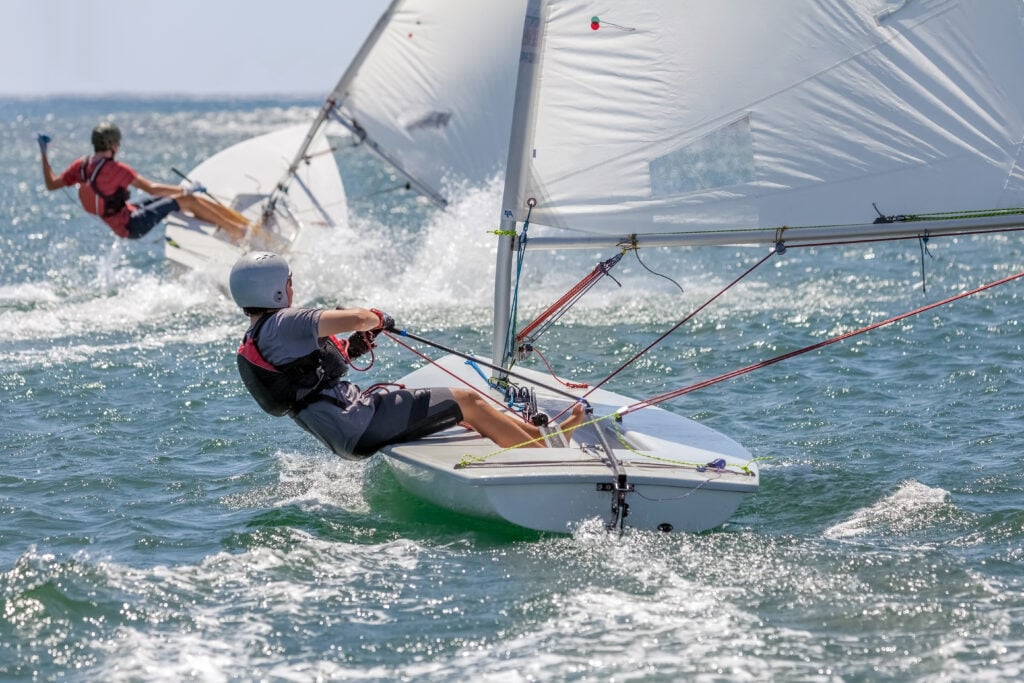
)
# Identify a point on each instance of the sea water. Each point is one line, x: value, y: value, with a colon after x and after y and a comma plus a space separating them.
x: 155, y: 525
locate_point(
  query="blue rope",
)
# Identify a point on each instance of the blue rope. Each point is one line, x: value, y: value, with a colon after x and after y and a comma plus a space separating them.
x: 484, y: 377
x: 509, y: 401
x: 514, y: 307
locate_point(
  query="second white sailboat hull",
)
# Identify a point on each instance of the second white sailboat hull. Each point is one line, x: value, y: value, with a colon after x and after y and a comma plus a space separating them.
x: 242, y: 177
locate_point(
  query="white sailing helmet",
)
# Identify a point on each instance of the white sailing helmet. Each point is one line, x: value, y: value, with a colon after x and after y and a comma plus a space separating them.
x: 259, y: 280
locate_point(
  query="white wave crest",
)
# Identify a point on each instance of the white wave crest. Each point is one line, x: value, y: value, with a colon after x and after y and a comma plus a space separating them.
x: 911, y: 507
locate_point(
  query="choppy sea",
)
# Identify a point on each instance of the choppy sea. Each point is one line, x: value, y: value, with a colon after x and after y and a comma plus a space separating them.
x: 156, y: 526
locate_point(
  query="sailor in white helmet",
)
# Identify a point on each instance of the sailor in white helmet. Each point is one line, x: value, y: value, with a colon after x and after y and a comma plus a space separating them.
x: 292, y: 365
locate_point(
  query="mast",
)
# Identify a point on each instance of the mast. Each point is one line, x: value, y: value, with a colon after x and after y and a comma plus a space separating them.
x: 515, y: 175
x: 337, y: 95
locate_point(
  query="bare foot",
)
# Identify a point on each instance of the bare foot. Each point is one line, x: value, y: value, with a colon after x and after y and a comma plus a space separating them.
x: 569, y: 424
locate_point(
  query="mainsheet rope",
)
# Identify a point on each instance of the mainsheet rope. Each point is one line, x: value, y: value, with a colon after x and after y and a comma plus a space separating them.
x: 682, y: 322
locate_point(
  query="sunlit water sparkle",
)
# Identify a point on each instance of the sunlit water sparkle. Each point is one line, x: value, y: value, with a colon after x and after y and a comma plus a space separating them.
x: 154, y: 525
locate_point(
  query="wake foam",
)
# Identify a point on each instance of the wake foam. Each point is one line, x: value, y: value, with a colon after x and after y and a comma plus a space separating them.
x: 912, y: 507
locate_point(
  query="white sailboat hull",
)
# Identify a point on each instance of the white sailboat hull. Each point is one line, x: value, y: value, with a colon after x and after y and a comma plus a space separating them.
x: 242, y: 177
x: 662, y: 481
x: 198, y: 246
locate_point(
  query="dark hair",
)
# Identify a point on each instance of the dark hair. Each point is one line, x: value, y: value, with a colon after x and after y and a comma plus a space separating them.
x: 105, y: 136
x: 258, y: 311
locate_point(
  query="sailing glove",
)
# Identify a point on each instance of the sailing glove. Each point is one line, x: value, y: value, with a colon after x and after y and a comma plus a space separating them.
x: 387, y: 323
x: 360, y: 343
x: 43, y: 141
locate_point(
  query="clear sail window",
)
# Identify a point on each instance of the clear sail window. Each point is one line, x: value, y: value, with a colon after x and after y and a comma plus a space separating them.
x: 722, y: 158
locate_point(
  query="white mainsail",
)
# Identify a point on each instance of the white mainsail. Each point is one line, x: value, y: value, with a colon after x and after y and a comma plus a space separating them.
x: 434, y: 94
x: 430, y: 90
x: 694, y: 117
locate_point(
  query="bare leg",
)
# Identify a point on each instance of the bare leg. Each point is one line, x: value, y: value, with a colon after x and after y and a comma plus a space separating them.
x: 504, y: 429
x: 569, y: 424
x: 499, y: 427
x: 231, y: 222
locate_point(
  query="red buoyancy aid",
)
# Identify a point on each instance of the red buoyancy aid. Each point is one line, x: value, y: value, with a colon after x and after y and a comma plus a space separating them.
x: 287, y: 389
x: 112, y: 203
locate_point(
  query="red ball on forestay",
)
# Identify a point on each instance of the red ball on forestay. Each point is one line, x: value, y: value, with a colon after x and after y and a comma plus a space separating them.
x: 595, y: 23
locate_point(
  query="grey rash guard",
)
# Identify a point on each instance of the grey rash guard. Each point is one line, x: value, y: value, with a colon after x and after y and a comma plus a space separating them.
x: 291, y: 333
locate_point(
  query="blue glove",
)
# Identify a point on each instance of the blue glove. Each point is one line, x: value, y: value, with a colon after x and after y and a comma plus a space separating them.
x: 43, y: 141
x: 196, y: 188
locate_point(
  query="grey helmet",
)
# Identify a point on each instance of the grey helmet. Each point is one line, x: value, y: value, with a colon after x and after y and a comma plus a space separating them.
x: 259, y: 280
x: 105, y: 136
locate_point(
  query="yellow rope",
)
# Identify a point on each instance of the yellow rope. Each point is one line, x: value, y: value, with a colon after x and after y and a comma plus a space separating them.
x: 622, y: 439
x: 468, y: 459
x: 981, y: 213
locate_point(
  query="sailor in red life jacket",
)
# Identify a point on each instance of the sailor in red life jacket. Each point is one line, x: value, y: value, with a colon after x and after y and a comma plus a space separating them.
x: 292, y: 365
x: 103, y: 190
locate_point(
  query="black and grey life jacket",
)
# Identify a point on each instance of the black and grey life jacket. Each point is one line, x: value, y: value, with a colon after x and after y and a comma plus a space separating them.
x: 112, y: 203
x: 287, y: 389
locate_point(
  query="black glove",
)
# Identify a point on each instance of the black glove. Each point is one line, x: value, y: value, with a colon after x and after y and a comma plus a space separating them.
x: 387, y: 323
x: 360, y: 343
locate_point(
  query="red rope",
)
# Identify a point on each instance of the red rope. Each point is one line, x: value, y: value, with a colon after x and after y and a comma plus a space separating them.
x: 842, y: 337
x: 343, y: 347
x: 600, y: 270
x: 571, y: 385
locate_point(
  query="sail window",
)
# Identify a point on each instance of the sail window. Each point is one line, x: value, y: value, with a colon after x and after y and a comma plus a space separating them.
x: 434, y: 120
x: 722, y: 158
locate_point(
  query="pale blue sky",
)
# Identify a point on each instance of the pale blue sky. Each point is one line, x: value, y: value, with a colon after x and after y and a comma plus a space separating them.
x: 203, y: 47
